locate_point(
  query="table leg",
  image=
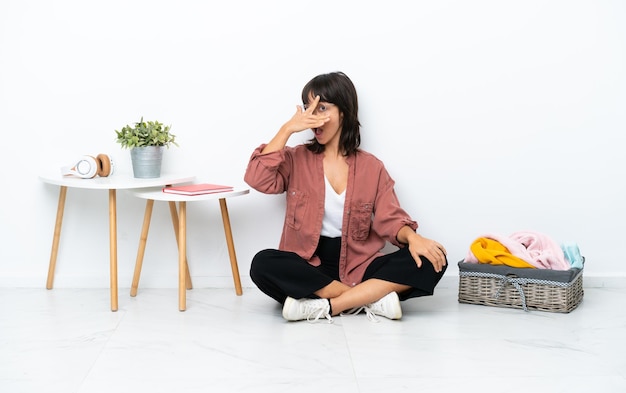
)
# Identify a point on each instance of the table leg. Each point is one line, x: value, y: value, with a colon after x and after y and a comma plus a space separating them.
x: 174, y: 216
x: 182, y: 255
x: 113, y: 246
x: 143, y: 239
x: 56, y: 237
x: 231, y: 246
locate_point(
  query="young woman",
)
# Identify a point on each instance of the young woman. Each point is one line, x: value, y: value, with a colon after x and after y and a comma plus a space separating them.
x: 341, y: 210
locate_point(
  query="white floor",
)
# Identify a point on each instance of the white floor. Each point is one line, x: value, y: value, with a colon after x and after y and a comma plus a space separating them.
x: 67, y: 340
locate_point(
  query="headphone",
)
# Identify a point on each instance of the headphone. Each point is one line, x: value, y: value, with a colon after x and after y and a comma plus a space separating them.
x: 88, y: 167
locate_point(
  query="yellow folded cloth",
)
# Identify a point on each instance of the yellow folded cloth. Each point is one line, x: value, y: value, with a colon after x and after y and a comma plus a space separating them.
x: 493, y: 252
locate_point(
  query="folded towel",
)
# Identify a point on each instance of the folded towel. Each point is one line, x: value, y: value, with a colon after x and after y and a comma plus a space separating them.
x: 534, y: 248
x: 495, y: 253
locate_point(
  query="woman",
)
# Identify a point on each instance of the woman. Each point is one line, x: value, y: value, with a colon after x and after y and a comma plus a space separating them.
x: 341, y: 211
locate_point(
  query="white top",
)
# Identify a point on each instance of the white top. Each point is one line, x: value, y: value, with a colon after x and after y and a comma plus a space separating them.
x: 115, y: 181
x: 333, y: 211
x: 157, y: 194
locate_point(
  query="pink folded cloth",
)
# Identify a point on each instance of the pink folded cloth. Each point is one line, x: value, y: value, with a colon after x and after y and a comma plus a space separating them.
x: 535, y: 248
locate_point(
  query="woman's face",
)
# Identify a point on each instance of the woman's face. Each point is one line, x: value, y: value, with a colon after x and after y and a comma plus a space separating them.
x: 330, y: 132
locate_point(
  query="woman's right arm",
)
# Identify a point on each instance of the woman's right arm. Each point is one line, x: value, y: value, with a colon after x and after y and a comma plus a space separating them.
x: 264, y: 172
x: 300, y: 121
x: 267, y: 171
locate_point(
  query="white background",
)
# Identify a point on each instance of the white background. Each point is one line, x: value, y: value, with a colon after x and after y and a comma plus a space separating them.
x: 492, y: 116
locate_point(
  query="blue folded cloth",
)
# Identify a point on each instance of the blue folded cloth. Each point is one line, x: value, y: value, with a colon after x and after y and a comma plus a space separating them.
x: 572, y: 254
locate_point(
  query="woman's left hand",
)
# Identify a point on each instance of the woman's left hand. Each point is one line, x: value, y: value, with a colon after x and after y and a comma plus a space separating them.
x: 428, y: 248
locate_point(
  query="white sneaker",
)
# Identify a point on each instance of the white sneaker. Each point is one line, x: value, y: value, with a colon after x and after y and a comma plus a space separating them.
x: 388, y: 306
x: 310, y: 309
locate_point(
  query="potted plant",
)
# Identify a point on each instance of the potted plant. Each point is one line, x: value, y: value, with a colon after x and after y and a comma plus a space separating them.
x: 146, y: 141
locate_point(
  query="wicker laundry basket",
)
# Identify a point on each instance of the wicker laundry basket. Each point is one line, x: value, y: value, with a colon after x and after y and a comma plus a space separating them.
x: 527, y: 289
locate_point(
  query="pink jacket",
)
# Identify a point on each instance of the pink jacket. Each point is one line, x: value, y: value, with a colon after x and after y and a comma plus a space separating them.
x: 372, y: 213
x: 535, y: 248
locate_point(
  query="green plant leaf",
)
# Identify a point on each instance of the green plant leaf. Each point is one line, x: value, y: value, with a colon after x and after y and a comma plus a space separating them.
x: 145, y: 133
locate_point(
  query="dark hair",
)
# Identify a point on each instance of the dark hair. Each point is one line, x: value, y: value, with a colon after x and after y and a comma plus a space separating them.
x: 338, y: 89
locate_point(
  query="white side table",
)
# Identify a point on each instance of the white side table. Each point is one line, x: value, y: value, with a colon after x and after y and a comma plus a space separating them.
x: 180, y: 227
x: 112, y: 184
